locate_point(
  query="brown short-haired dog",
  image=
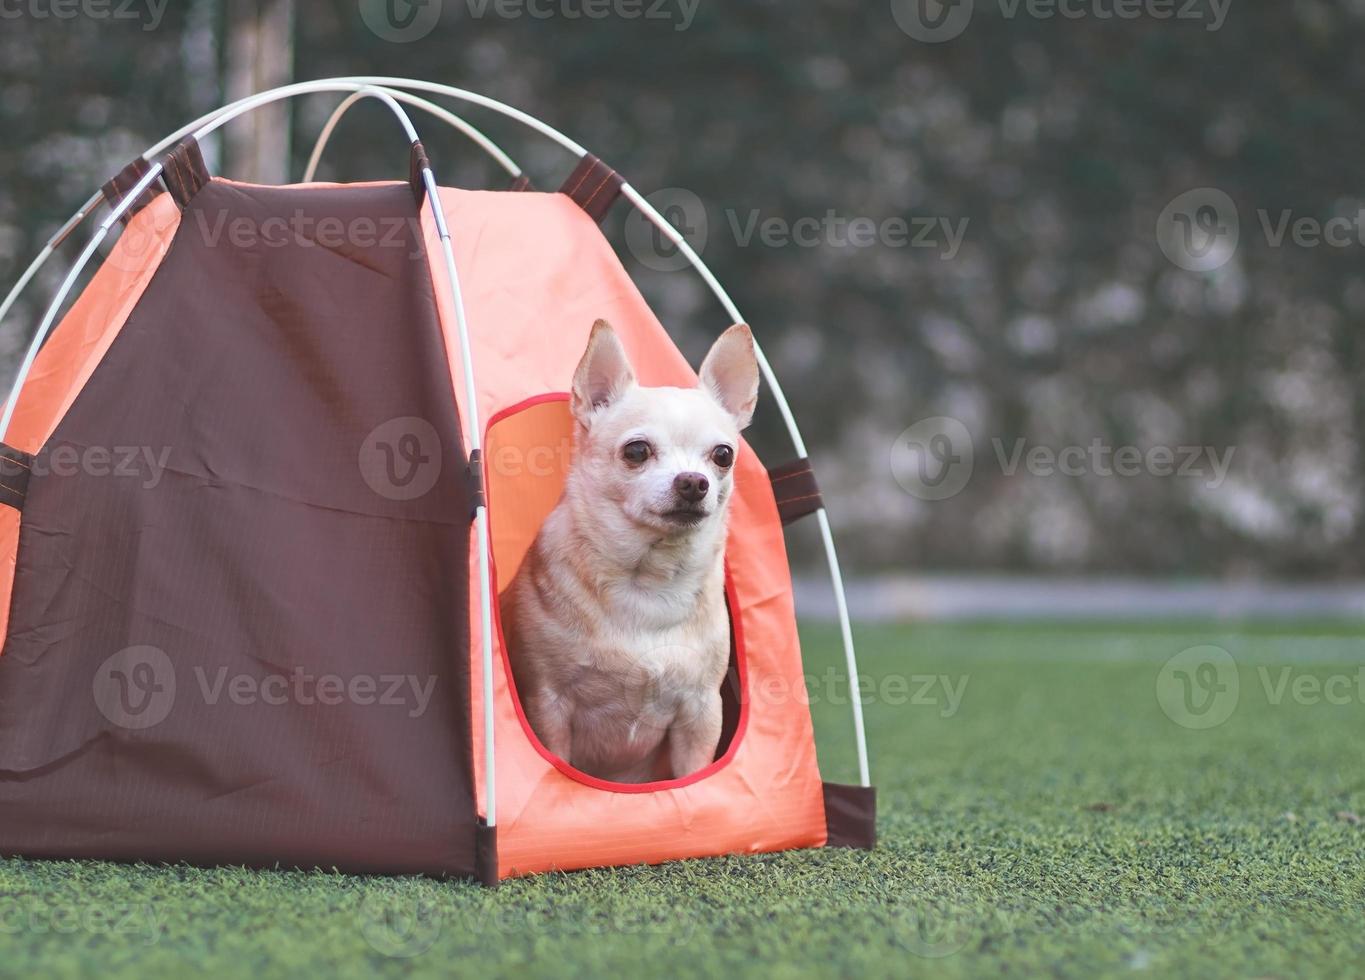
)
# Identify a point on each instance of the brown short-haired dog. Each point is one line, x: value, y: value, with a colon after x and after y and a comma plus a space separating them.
x: 616, y: 624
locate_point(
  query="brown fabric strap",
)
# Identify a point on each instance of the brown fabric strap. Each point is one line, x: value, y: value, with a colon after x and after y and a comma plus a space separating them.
x: 486, y: 854
x: 851, y: 816
x: 593, y: 186
x: 124, y: 181
x: 419, y: 161
x: 795, y: 490
x: 184, y: 171
x: 474, y: 473
x: 522, y: 183
x: 15, y: 469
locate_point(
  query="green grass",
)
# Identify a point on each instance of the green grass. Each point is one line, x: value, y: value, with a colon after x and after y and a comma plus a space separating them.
x: 1056, y: 823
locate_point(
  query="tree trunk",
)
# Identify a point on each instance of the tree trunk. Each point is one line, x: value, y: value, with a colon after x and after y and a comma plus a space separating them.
x: 260, y: 56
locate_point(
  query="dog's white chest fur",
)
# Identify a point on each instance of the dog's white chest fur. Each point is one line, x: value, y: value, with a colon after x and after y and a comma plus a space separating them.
x: 618, y: 664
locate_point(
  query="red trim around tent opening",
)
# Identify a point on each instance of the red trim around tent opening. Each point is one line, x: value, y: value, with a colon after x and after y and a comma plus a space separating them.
x: 737, y: 632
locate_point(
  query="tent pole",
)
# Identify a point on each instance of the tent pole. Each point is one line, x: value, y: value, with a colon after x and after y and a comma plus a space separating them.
x: 51, y: 315
x: 826, y: 534
x: 475, y: 443
x: 488, y: 146
x: 231, y: 111
x: 72, y: 223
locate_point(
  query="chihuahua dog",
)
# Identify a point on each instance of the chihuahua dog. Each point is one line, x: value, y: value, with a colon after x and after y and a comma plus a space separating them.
x: 616, y: 623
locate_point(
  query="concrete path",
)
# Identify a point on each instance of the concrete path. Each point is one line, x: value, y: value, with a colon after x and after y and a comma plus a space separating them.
x: 997, y: 597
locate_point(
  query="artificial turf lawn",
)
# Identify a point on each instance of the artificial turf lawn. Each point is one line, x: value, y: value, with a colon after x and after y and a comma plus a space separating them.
x: 1057, y: 822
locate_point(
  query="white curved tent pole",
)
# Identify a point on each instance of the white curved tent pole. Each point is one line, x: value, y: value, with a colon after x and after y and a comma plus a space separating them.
x: 240, y: 108
x: 203, y: 127
x: 445, y: 115
x: 26, y: 278
x: 65, y: 289
x: 72, y: 223
x: 352, y: 83
x: 228, y: 111
x: 475, y: 445
x: 200, y: 127
x: 826, y: 534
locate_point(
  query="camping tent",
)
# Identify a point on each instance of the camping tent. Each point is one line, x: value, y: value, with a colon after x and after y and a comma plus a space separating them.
x: 263, y: 481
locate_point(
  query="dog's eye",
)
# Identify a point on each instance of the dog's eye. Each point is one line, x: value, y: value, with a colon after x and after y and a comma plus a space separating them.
x: 636, y: 452
x: 723, y: 456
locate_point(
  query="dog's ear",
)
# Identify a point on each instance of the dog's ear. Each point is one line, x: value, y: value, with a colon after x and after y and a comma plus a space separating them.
x: 603, y: 374
x: 730, y: 373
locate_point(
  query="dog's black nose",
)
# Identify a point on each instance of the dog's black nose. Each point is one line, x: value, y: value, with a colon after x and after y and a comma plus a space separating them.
x: 691, y: 487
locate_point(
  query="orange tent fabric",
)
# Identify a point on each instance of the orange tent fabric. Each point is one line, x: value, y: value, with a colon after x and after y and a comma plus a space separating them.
x: 76, y: 346
x: 535, y: 273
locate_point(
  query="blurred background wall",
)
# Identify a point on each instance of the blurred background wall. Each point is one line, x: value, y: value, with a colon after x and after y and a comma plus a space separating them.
x: 1056, y: 286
